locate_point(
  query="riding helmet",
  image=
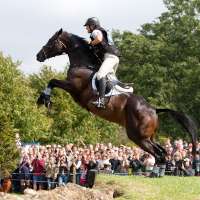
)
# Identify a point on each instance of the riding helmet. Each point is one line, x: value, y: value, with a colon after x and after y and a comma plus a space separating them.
x: 92, y: 21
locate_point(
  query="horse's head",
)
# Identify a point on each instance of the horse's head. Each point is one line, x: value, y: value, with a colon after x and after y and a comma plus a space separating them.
x: 77, y: 48
x: 54, y: 47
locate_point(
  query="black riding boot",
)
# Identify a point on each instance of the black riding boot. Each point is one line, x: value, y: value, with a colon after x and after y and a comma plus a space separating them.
x: 100, y: 103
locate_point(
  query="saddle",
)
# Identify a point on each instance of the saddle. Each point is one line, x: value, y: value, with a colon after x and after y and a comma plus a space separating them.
x: 113, y: 86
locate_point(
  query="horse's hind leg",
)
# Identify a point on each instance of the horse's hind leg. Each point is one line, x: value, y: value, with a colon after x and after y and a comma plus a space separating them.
x: 160, y: 148
x: 160, y: 165
x: 144, y: 143
x: 147, y: 145
x: 140, y: 127
x: 136, y: 135
x: 161, y: 162
x: 151, y: 147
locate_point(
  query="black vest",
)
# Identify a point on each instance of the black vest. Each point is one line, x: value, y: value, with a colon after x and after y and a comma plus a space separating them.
x: 104, y: 47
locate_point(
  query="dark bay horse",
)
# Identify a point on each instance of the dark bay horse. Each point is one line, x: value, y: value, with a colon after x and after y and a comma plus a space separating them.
x: 128, y: 110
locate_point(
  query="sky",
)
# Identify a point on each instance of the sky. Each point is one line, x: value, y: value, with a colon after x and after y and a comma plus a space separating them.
x: 26, y: 25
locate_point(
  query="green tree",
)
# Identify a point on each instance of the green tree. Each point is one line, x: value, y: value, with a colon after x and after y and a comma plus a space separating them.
x: 179, y: 31
x: 17, y: 111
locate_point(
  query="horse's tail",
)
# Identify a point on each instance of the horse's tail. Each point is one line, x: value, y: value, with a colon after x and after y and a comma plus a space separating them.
x: 187, y: 123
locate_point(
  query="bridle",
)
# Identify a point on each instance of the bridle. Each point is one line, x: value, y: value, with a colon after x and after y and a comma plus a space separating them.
x: 49, y: 46
x: 62, y: 43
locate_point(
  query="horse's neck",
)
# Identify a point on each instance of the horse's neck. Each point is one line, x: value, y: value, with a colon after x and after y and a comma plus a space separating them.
x: 78, y: 59
x: 80, y: 54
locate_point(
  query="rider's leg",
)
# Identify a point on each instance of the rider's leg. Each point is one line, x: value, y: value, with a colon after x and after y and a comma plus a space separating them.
x: 116, y: 66
x: 100, y: 102
x: 112, y: 75
x: 109, y: 65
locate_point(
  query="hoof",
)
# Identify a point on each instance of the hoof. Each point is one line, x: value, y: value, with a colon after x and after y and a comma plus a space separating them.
x: 44, y: 100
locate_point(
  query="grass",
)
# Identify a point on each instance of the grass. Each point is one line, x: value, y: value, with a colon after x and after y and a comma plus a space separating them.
x: 142, y: 188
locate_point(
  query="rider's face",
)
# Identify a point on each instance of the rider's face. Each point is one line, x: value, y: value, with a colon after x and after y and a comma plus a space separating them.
x: 88, y: 29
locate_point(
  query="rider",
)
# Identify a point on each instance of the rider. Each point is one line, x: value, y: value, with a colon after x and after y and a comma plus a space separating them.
x: 106, y: 51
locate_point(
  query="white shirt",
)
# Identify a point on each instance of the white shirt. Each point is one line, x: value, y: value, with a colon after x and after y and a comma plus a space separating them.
x: 96, y: 33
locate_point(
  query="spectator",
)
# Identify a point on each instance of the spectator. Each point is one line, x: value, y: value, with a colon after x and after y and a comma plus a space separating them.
x: 72, y: 165
x: 78, y: 163
x: 38, y: 171
x: 148, y: 163
x: 91, y: 173
x: 16, y: 180
x: 24, y: 174
x: 124, y: 165
x: 52, y: 170
x: 106, y: 165
x: 196, y: 164
x: 83, y: 175
x: 187, y: 168
x: 178, y: 171
x: 169, y: 165
x: 84, y: 162
x: 115, y: 163
x: 63, y: 176
x: 136, y: 165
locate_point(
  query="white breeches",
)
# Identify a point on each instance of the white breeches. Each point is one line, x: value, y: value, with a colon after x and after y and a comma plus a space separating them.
x: 109, y: 65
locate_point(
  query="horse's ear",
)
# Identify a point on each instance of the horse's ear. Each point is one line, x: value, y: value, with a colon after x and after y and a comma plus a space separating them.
x: 60, y: 31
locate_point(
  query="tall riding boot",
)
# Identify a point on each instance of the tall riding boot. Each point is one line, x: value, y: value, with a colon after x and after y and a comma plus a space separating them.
x: 100, y: 103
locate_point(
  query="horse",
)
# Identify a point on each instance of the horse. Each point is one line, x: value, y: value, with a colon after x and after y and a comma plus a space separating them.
x: 127, y: 109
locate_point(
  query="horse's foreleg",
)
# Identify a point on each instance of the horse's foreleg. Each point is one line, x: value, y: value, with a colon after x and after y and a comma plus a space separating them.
x: 62, y: 84
x: 44, y: 97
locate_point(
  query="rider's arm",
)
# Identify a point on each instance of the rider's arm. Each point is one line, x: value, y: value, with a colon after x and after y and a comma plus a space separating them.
x: 98, y: 37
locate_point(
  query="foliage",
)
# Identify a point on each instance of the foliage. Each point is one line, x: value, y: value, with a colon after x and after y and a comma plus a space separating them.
x: 17, y: 111
x: 9, y: 153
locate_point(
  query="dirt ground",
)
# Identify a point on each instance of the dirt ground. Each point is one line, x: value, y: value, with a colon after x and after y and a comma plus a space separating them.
x: 69, y: 192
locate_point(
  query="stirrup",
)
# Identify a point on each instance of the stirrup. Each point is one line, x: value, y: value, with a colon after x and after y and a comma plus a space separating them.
x: 99, y: 103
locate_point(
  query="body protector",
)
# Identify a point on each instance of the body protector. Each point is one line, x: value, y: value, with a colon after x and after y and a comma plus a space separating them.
x: 106, y: 46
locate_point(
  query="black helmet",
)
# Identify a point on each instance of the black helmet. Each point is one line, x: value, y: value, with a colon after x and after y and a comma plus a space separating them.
x: 92, y: 21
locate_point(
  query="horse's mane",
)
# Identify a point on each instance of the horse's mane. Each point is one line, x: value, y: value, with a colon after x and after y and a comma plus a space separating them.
x: 81, y: 45
x: 82, y: 41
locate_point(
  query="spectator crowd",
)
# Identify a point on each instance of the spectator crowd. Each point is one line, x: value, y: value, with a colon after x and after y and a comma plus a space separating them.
x: 49, y: 166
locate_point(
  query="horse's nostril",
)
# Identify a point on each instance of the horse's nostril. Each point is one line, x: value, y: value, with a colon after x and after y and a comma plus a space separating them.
x: 39, y: 58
